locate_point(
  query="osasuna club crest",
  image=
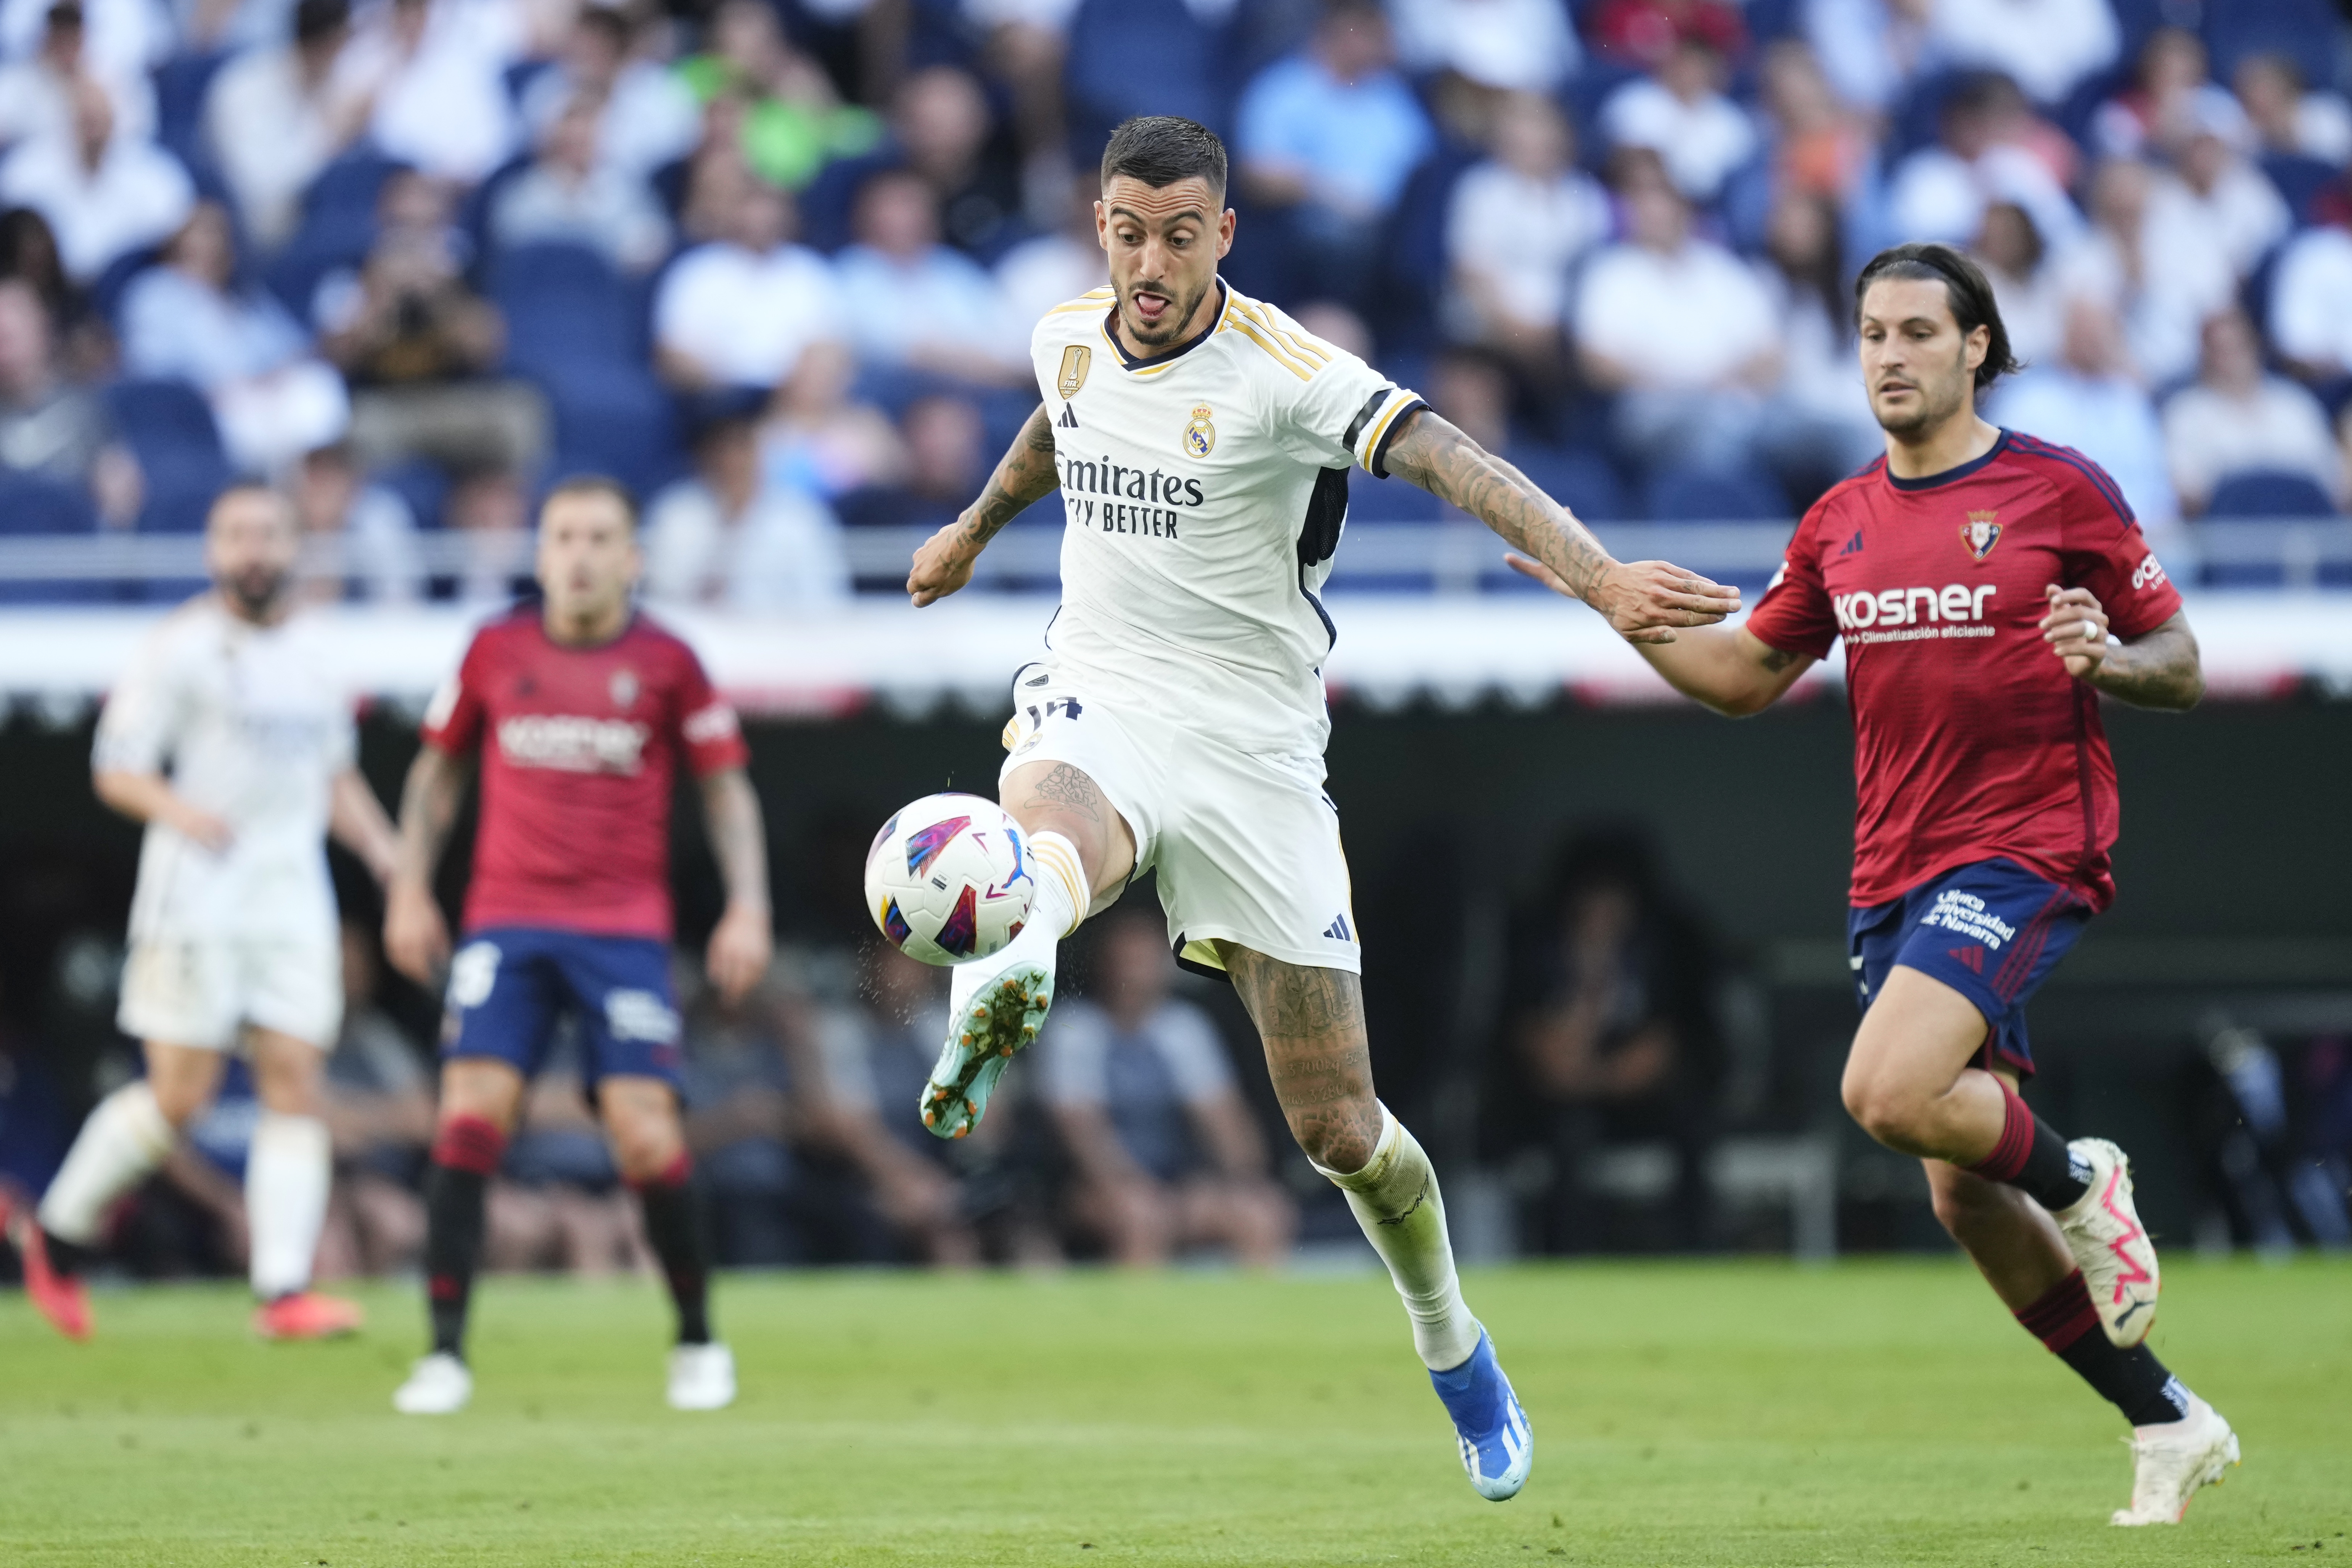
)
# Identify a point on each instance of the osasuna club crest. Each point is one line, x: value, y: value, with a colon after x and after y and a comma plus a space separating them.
x: 1981, y: 532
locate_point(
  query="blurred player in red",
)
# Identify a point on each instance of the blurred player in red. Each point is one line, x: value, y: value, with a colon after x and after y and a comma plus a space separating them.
x: 581, y: 711
x: 1988, y: 587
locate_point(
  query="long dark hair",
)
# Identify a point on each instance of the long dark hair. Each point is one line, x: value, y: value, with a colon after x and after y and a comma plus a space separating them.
x: 1964, y: 284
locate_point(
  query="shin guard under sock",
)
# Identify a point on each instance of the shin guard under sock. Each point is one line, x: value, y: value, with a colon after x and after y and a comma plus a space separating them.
x: 2032, y: 1157
x: 674, y: 1228
x: 1395, y: 1199
x: 2133, y: 1380
x: 463, y: 1157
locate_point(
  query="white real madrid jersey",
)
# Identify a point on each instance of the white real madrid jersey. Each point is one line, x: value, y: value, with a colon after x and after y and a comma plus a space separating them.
x: 252, y: 726
x: 1205, y: 491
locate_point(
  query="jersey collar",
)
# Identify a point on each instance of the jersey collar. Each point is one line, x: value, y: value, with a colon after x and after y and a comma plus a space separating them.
x: 1930, y: 481
x: 1128, y: 361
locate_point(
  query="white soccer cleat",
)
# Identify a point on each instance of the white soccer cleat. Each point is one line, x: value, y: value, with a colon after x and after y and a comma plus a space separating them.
x: 437, y: 1385
x: 2109, y: 1244
x: 701, y: 1377
x: 2170, y: 1462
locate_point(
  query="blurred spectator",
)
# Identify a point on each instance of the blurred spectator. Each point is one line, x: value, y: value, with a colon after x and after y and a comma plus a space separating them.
x: 2237, y: 418
x: 275, y: 116
x: 1679, y: 329
x: 912, y: 302
x: 1644, y: 32
x: 366, y: 532
x: 728, y: 536
x: 53, y: 430
x: 2025, y: 280
x: 1519, y: 224
x: 1610, y: 1036
x: 2169, y: 85
x: 1989, y: 148
x: 2088, y: 399
x: 414, y: 338
x: 1680, y: 113
x: 1026, y: 48
x: 1513, y: 46
x: 742, y: 310
x: 436, y: 71
x: 1818, y: 145
x: 488, y: 508
x: 187, y: 320
x: 2153, y: 256
x: 104, y: 196
x: 2046, y: 47
x: 378, y: 1104
x: 2230, y: 200
x: 1167, y: 1155
x: 37, y: 90
x: 945, y: 465
x: 2311, y: 303
x: 28, y: 254
x: 1871, y: 50
x: 943, y: 127
x: 741, y: 1119
x: 123, y: 39
x: 1818, y: 426
x: 1330, y: 135
x: 2288, y: 116
x: 875, y: 1057
x: 820, y: 437
x: 1057, y: 267
x: 570, y: 196
x: 646, y: 116
x: 794, y: 122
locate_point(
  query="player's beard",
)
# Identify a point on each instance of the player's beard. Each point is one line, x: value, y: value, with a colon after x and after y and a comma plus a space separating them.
x: 1940, y: 399
x: 1179, y: 312
x: 255, y: 591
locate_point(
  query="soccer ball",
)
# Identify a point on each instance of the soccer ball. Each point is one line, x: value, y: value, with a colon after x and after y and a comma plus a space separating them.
x: 948, y: 878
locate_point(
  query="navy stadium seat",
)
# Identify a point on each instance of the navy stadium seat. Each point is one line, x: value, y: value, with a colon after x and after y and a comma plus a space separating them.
x: 2299, y: 179
x: 2305, y: 31
x: 1700, y: 495
x: 30, y: 504
x: 1582, y: 481
x: 577, y: 328
x: 181, y: 85
x: 168, y: 427
x: 1138, y: 56
x: 2269, y: 492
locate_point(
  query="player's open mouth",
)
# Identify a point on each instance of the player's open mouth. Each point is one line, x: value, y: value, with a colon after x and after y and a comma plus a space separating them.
x: 1152, y: 307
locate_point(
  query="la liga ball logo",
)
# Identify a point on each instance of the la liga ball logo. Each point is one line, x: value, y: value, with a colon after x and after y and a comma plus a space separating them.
x: 1981, y: 532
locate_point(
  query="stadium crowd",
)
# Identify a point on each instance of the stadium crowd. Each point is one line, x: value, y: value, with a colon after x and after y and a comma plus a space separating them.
x: 773, y: 261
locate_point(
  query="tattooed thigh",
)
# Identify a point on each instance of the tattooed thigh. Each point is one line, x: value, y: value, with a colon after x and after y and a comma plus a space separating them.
x: 1317, y: 1053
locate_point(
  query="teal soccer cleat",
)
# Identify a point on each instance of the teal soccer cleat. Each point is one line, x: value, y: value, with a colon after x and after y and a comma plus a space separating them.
x: 1004, y: 1017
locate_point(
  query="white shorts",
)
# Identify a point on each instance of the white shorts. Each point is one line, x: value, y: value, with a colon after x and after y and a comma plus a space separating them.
x: 201, y: 992
x: 1247, y: 845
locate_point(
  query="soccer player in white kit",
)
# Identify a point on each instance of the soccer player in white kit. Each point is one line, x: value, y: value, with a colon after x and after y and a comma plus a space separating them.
x: 1201, y: 442
x: 230, y: 739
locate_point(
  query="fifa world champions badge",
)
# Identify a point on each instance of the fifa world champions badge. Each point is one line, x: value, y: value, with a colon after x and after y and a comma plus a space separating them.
x: 1981, y: 532
x: 1076, y: 360
x: 1201, y: 434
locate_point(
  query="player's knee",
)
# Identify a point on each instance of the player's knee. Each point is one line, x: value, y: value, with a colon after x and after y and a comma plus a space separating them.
x: 1887, y: 1111
x: 1337, y: 1137
x: 179, y: 1098
x: 646, y: 1145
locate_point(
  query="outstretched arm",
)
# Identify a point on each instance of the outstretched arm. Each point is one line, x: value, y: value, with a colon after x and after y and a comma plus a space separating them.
x: 1023, y: 475
x: 741, y: 944
x: 416, y: 937
x: 2158, y: 668
x: 1729, y: 668
x: 1643, y: 601
x: 359, y: 823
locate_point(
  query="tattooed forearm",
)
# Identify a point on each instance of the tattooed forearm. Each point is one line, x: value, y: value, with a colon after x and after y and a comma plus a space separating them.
x: 2161, y: 669
x: 1024, y: 474
x: 1776, y: 659
x: 1450, y: 466
x: 1067, y: 787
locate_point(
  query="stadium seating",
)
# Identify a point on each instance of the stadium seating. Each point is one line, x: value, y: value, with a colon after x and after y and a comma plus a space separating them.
x: 1701, y: 495
x: 2263, y: 492
x: 170, y: 430
x: 577, y: 329
x: 1139, y: 56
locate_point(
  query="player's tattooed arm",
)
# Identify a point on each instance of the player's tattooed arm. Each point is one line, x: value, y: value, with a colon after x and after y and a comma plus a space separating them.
x: 2159, y: 668
x: 1643, y: 601
x: 1024, y: 474
x: 742, y: 943
x: 415, y: 937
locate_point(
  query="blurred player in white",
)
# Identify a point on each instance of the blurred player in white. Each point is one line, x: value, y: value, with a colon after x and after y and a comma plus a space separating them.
x: 230, y: 738
x: 1202, y: 442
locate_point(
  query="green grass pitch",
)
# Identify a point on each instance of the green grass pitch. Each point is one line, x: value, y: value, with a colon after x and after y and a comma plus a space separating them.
x: 1698, y: 1413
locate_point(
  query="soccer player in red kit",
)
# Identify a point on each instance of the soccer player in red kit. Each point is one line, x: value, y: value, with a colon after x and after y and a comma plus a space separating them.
x: 1988, y: 587
x: 581, y: 711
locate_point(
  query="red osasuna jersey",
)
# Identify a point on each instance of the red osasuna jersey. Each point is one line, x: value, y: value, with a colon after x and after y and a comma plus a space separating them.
x: 579, y: 746
x: 1971, y: 741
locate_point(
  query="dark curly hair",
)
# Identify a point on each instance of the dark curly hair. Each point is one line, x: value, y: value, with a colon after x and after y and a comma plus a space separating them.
x: 1964, y: 284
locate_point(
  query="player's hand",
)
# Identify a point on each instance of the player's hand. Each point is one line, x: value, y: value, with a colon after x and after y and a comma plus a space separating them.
x: 415, y: 937
x: 942, y: 565
x: 2076, y: 630
x: 1643, y: 601
x: 741, y: 946
x: 206, y: 829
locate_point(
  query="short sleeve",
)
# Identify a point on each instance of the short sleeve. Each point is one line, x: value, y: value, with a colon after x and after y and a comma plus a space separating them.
x: 1795, y: 614
x: 1191, y: 1050
x: 708, y: 732
x: 1074, y: 1069
x: 455, y: 717
x: 2106, y: 552
x: 1330, y: 407
x: 141, y: 722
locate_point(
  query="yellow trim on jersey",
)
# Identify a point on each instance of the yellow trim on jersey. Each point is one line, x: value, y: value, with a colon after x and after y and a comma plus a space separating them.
x: 1093, y: 299
x: 1302, y: 345
x: 1241, y: 323
x: 1369, y: 442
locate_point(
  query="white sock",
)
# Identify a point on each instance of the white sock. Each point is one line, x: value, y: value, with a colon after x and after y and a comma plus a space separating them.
x: 1395, y: 1199
x: 124, y: 1139
x: 288, y: 1170
x: 1061, y: 886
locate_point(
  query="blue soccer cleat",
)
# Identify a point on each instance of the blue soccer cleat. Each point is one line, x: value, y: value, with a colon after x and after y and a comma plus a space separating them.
x: 1498, y: 1447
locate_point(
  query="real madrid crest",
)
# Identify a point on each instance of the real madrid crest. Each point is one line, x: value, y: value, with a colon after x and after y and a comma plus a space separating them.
x: 1981, y: 532
x: 624, y: 687
x: 1201, y: 434
x: 1076, y: 361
